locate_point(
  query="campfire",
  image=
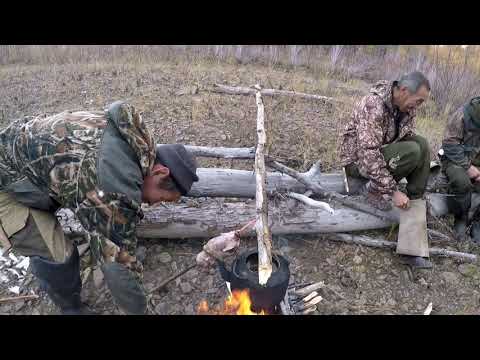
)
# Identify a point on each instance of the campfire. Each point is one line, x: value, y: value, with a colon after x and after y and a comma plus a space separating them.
x: 237, y: 303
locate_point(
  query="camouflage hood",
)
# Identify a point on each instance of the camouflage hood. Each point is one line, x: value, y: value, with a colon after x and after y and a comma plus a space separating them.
x: 383, y: 89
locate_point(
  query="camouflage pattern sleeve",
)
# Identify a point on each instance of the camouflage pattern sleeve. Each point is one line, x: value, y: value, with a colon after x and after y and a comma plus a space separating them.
x: 452, y: 140
x: 370, y: 141
x: 134, y: 130
x: 111, y: 220
x: 411, y: 125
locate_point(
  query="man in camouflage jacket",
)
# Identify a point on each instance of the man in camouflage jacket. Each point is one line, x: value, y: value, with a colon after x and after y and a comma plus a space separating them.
x: 460, y: 157
x: 379, y: 141
x: 102, y: 166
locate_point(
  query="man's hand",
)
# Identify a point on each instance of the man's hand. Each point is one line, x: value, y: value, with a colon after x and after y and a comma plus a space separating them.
x: 400, y: 200
x: 473, y: 173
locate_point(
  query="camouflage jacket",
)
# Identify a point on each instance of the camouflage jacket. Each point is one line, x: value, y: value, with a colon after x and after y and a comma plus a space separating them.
x: 372, y: 126
x: 59, y: 154
x: 461, y: 140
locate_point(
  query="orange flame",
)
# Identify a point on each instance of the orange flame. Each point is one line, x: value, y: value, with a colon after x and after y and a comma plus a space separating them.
x: 239, y: 303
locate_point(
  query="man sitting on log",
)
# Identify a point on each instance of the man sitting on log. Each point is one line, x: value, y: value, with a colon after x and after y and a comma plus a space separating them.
x: 460, y: 158
x: 102, y: 166
x: 379, y: 142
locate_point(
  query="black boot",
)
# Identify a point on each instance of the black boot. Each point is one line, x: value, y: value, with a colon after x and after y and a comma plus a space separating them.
x: 125, y: 288
x: 459, y: 205
x: 61, y: 281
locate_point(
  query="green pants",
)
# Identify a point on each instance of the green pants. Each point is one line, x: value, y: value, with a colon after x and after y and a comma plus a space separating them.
x: 408, y: 158
x: 31, y: 232
x: 458, y: 181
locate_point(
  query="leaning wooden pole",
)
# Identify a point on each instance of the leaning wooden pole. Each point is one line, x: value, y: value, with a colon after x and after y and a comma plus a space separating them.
x: 264, y: 236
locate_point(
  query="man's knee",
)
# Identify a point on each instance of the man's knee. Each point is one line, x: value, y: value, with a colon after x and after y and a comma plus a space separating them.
x: 458, y: 180
x: 411, y: 152
x: 423, y: 143
x: 28, y: 241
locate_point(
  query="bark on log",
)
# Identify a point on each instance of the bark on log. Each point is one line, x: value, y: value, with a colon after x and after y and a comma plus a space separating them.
x: 264, y: 237
x: 240, y: 90
x: 212, y: 218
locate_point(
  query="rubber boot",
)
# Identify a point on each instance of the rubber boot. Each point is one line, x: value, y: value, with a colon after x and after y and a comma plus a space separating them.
x: 459, y: 205
x: 125, y: 288
x: 62, y: 283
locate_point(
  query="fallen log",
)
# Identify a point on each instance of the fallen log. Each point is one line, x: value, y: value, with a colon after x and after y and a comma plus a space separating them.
x: 212, y: 217
x: 241, y: 90
x: 264, y: 236
x: 221, y: 152
x: 216, y: 182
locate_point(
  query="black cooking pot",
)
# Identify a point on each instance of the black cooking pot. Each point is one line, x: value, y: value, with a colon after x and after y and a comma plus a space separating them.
x: 244, y: 275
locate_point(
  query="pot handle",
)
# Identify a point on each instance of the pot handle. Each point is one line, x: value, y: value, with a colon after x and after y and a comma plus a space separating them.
x: 226, y: 274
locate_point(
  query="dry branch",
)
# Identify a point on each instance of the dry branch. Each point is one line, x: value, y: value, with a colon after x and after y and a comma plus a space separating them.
x: 380, y: 243
x: 318, y: 189
x: 264, y: 236
x: 240, y: 90
x: 18, y: 298
x: 171, y: 278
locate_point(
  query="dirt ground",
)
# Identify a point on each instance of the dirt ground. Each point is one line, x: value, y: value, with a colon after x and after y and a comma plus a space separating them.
x: 177, y: 104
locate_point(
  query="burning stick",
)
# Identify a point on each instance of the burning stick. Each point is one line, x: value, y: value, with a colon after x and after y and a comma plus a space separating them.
x: 264, y: 236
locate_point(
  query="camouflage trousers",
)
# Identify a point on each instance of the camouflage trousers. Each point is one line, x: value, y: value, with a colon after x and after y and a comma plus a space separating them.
x: 31, y: 232
x: 408, y: 158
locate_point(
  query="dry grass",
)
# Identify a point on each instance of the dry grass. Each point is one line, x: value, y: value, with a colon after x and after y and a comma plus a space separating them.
x: 46, y: 79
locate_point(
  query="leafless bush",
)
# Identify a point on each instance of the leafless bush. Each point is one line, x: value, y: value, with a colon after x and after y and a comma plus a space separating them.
x: 453, y: 80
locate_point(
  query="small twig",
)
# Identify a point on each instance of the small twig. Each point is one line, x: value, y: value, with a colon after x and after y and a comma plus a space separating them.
x: 17, y: 298
x: 171, y: 278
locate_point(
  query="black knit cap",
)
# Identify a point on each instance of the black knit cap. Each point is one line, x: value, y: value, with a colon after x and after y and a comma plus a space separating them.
x: 180, y: 162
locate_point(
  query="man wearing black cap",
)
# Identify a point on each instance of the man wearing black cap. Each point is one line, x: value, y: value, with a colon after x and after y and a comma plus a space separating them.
x: 460, y: 157
x: 172, y: 174
x: 100, y: 165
